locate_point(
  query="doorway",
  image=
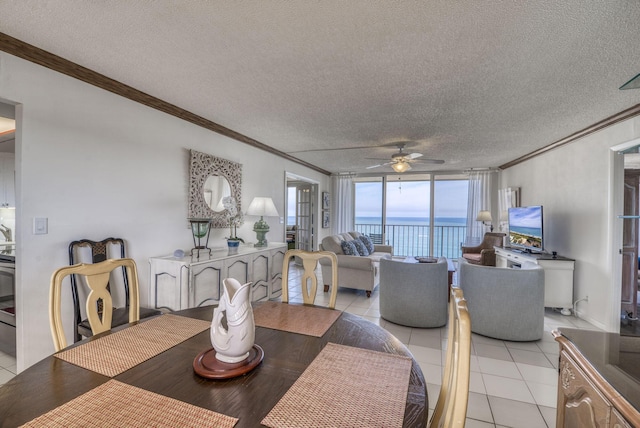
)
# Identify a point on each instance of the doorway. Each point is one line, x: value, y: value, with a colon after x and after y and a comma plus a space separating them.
x: 8, y: 230
x: 629, y: 320
x: 301, y: 220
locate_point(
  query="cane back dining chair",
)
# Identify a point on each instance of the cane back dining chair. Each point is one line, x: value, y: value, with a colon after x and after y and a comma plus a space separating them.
x: 109, y: 248
x: 451, y: 407
x: 309, y: 280
x: 97, y: 278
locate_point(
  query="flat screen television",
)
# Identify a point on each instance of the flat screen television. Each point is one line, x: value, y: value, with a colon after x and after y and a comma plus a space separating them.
x: 525, y: 228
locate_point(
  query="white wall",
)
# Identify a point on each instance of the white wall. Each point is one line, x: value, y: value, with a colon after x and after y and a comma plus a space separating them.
x: 573, y: 183
x: 98, y: 165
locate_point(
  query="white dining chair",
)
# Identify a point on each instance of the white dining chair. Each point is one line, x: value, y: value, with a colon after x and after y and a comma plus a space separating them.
x: 451, y: 408
x: 309, y: 280
x: 96, y: 276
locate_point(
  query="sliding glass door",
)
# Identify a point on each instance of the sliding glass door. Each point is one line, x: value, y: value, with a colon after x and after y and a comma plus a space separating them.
x: 398, y: 210
x: 408, y: 214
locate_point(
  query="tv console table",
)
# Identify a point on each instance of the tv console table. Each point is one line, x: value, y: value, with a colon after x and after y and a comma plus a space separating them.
x: 558, y: 275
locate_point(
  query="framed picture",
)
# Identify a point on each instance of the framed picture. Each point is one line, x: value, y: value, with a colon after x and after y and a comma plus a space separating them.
x: 325, y: 200
x: 325, y: 219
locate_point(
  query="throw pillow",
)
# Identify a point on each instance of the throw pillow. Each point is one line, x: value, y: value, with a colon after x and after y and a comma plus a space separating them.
x: 367, y: 243
x: 349, y: 248
x: 362, y: 249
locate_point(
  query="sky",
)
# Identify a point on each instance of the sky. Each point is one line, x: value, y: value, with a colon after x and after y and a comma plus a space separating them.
x: 526, y: 217
x: 407, y: 199
x: 411, y: 199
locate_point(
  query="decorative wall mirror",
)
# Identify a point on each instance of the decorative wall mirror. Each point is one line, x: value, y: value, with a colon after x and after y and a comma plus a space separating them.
x: 210, y: 179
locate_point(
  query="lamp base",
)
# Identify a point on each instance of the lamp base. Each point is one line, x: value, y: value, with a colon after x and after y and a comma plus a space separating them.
x: 261, y: 228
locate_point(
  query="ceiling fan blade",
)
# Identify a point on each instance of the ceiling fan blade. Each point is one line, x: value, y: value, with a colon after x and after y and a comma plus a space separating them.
x: 382, y: 164
x: 413, y: 155
x: 432, y: 161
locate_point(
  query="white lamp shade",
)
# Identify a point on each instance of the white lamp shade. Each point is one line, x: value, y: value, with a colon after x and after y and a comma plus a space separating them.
x: 262, y: 207
x: 484, y: 216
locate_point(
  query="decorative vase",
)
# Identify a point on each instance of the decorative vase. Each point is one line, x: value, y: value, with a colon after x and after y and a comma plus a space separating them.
x: 233, y: 246
x: 233, y: 343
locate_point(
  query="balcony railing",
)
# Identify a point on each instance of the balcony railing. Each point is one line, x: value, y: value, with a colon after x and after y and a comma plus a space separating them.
x: 411, y: 240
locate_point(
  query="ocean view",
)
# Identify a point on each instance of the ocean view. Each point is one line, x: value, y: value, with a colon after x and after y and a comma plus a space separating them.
x: 409, y: 236
x: 414, y: 221
x: 410, y: 221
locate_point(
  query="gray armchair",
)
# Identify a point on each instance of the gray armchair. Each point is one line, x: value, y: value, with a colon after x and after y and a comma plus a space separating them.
x: 506, y: 304
x: 414, y: 294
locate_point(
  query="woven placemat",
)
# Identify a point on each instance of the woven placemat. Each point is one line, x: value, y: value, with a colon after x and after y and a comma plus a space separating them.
x: 295, y: 318
x: 346, y: 387
x: 116, y: 404
x: 118, y: 352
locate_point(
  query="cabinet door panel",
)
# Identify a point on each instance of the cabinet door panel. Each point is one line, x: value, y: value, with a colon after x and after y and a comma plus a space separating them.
x: 238, y: 269
x: 260, y: 276
x: 617, y: 421
x: 167, y: 293
x: 277, y: 257
x: 206, y: 281
x: 580, y: 404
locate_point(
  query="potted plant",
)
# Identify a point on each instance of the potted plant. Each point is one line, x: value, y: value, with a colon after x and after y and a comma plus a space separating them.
x: 235, y: 219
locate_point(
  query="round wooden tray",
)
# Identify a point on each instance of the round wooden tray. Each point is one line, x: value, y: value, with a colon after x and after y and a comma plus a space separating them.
x: 207, y: 365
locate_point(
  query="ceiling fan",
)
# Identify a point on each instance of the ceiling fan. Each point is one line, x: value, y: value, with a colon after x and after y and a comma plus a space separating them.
x: 400, y: 161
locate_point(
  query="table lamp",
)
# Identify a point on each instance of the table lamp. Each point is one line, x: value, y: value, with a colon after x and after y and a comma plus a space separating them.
x: 485, y: 217
x: 263, y: 207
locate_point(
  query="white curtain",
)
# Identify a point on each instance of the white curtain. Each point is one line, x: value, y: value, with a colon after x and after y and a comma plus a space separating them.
x: 507, y: 198
x: 343, y: 198
x: 480, y: 184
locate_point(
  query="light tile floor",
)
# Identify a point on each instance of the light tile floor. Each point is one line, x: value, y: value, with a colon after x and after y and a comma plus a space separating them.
x: 512, y: 384
x: 8, y: 367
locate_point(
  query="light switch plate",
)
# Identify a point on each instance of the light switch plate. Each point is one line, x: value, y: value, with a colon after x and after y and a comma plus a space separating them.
x: 40, y: 226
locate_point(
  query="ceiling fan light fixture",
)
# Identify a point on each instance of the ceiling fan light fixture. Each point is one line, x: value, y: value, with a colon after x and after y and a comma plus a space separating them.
x: 401, y: 166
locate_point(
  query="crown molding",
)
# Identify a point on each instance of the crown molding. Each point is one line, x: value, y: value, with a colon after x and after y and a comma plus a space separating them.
x: 46, y: 59
x: 609, y: 121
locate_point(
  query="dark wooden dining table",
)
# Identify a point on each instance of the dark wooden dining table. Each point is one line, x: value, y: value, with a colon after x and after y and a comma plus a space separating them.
x: 53, y: 382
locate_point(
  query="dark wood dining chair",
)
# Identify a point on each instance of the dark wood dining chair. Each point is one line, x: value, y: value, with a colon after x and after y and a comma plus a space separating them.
x: 97, y: 279
x: 309, y: 280
x: 109, y: 248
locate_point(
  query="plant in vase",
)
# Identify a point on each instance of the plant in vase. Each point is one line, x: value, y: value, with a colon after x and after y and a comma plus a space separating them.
x: 235, y: 219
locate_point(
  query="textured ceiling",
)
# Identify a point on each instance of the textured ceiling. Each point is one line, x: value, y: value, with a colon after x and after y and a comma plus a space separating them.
x: 475, y: 83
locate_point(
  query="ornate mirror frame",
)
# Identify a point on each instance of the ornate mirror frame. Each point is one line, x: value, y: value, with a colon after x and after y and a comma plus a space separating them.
x: 202, y: 166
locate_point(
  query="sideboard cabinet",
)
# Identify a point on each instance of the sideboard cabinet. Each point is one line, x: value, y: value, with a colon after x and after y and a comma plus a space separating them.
x: 187, y: 282
x: 593, y: 381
